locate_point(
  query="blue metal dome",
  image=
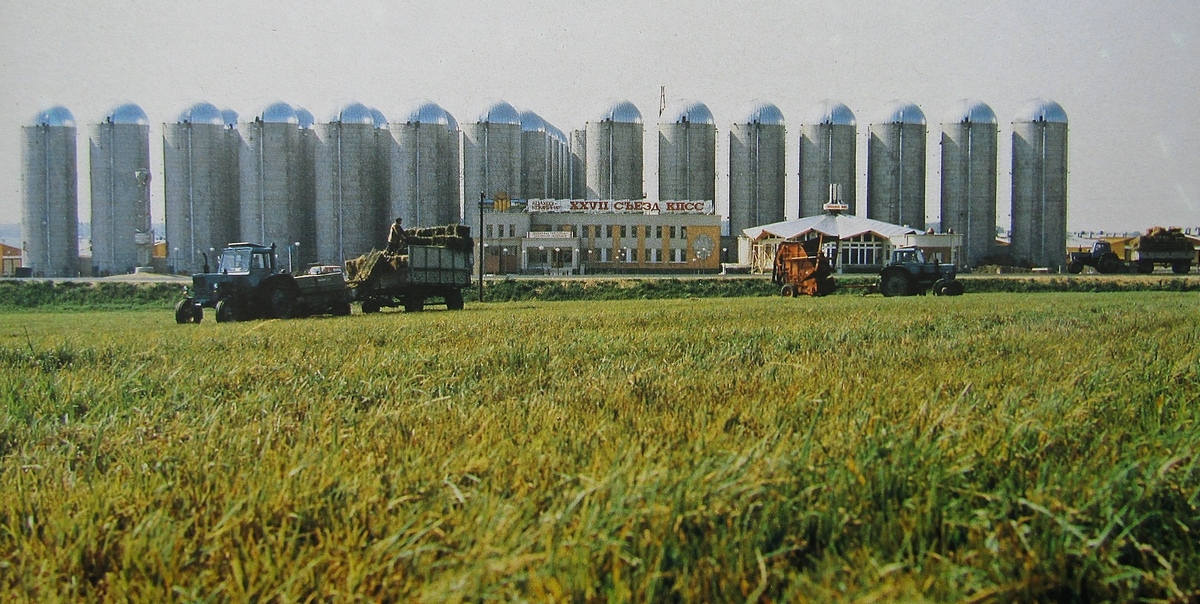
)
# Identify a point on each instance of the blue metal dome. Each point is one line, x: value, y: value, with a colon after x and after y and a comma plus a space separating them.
x: 532, y: 122
x: 379, y: 118
x: 429, y: 112
x: 230, y: 116
x: 355, y: 113
x: 687, y: 111
x: 620, y: 111
x: 1042, y: 110
x: 832, y: 112
x: 202, y: 113
x: 280, y: 113
x: 304, y: 118
x: 762, y: 112
x: 128, y: 114
x: 903, y: 112
x: 500, y: 112
x: 55, y: 116
x: 971, y: 111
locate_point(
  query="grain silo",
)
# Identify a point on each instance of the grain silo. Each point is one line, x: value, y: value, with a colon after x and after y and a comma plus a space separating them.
x: 49, y: 193
x: 350, y: 219
x: 757, y: 168
x: 307, y: 202
x: 896, y: 166
x: 577, y: 165
x: 687, y: 153
x: 536, y: 157
x: 1039, y: 185
x: 969, y: 154
x: 424, y: 167
x: 827, y: 157
x: 120, y: 178
x: 614, y: 153
x: 200, y: 185
x: 557, y: 163
x: 273, y: 203
x: 491, y: 157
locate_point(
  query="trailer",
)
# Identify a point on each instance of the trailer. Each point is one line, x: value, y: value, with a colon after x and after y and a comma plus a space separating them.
x: 423, y: 274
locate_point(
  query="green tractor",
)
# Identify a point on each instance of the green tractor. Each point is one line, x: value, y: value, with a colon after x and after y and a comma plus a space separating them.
x: 909, y: 274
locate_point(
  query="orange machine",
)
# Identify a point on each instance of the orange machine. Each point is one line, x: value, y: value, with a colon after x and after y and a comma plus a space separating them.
x: 801, y: 269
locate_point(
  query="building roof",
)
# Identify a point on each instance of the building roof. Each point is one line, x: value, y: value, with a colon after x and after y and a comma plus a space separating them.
x: 840, y: 226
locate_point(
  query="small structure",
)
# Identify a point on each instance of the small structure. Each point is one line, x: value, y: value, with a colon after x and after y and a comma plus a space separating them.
x: 10, y: 260
x: 854, y: 243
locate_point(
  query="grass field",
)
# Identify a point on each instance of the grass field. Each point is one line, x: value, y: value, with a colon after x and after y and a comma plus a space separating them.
x: 992, y: 447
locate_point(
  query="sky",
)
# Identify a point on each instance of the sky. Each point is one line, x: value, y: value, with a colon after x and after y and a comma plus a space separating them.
x: 1126, y: 73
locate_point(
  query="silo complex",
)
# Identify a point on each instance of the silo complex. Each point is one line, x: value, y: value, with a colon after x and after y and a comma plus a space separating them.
x: 273, y: 202
x: 491, y: 157
x: 614, y: 153
x: 50, y: 198
x: 827, y: 157
x: 424, y: 167
x: 350, y: 220
x: 896, y: 167
x: 577, y: 165
x: 757, y: 168
x: 687, y: 153
x: 1039, y: 185
x: 200, y: 182
x: 969, y: 154
x: 120, y: 179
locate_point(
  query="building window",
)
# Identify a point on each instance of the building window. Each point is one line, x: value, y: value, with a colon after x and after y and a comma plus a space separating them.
x: 633, y: 255
x: 672, y: 232
x: 489, y: 230
x: 683, y: 232
x: 658, y: 232
x: 654, y: 254
x: 678, y: 254
x: 603, y: 254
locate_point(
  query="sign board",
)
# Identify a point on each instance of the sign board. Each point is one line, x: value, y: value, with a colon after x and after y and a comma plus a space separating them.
x: 620, y: 206
x: 502, y: 202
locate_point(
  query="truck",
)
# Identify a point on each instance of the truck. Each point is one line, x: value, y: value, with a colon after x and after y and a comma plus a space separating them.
x: 801, y: 269
x: 1158, y: 246
x: 248, y: 285
x: 908, y: 273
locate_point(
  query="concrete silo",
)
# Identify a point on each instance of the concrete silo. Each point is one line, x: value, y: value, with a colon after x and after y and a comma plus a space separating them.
x: 969, y: 155
x: 200, y: 185
x: 577, y: 165
x: 1039, y: 184
x: 537, y: 157
x: 828, y: 153
x: 49, y: 194
x: 307, y: 189
x: 687, y: 153
x: 120, y: 178
x: 491, y: 157
x: 614, y: 153
x: 350, y: 219
x: 896, y: 166
x: 757, y: 168
x: 424, y: 167
x: 274, y: 207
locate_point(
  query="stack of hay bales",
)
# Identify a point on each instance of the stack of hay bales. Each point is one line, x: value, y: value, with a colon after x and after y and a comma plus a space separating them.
x: 372, y: 265
x: 453, y: 236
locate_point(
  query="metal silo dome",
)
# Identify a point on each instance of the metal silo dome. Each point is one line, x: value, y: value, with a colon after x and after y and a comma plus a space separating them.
x: 687, y: 111
x: 354, y: 113
x: 500, y: 112
x: 971, y: 111
x: 762, y: 112
x: 1042, y: 110
x: 379, y: 118
x: 428, y: 112
x: 903, y: 112
x: 532, y: 122
x: 230, y: 116
x: 55, y: 116
x: 280, y: 113
x: 128, y: 114
x: 201, y: 113
x: 622, y: 112
x: 832, y: 112
x: 304, y: 118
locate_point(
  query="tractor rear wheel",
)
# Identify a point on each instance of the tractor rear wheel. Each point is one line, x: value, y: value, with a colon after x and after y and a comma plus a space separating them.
x: 414, y: 304
x: 1181, y: 267
x: 788, y: 290
x: 226, y: 312
x: 454, y: 300
x: 895, y: 283
x: 1075, y: 267
x: 938, y: 287
x: 1145, y: 267
x: 952, y: 288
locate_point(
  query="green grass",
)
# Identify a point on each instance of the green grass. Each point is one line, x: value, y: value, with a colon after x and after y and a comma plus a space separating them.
x: 993, y: 447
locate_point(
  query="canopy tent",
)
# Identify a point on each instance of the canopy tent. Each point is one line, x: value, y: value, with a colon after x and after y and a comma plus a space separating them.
x: 838, y: 226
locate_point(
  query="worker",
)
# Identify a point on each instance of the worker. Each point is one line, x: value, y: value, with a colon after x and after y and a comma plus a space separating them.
x: 397, y: 238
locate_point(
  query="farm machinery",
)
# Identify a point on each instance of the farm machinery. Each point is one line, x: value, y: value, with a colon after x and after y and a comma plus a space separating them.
x: 1158, y: 246
x: 801, y: 269
x: 909, y: 274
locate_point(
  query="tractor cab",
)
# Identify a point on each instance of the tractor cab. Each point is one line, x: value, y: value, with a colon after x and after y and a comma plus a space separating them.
x: 908, y: 255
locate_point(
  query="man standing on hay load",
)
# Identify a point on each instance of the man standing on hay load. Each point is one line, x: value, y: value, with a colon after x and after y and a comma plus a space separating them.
x: 397, y: 238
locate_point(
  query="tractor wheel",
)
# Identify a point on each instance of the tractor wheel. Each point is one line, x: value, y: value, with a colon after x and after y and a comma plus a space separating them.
x: 1075, y: 267
x: 1145, y: 268
x: 788, y: 291
x: 414, y: 304
x: 454, y: 300
x: 282, y: 303
x: 225, y: 311
x: 341, y: 309
x: 185, y: 311
x: 370, y: 306
x: 938, y: 287
x: 197, y: 313
x: 826, y: 285
x: 895, y: 283
x: 1181, y: 267
x: 1108, y: 264
x: 952, y: 288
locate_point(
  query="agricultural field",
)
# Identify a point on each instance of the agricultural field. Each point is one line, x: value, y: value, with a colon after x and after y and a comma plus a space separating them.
x: 987, y: 448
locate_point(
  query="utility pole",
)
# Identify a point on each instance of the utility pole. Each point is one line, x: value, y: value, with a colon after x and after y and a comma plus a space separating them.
x: 481, y: 259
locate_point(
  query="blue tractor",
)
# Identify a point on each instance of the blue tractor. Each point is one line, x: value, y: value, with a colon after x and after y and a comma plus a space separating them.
x: 908, y: 273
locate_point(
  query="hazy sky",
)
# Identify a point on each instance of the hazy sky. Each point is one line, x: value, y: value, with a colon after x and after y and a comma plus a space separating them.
x: 1127, y: 73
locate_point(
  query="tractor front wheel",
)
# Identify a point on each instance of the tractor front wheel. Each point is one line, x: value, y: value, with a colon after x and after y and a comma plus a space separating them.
x: 186, y: 311
x: 226, y: 312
